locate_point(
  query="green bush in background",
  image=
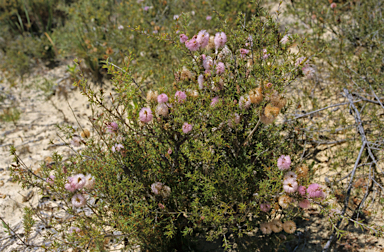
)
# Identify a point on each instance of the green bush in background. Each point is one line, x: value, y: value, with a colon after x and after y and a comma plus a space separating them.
x: 26, y: 28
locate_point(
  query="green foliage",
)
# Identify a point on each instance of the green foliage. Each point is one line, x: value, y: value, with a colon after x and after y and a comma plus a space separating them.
x: 11, y: 114
x: 28, y: 221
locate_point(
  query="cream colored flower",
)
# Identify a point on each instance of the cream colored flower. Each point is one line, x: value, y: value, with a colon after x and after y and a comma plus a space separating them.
x: 276, y: 226
x: 152, y: 96
x: 289, y: 227
x: 284, y: 201
x: 266, y: 228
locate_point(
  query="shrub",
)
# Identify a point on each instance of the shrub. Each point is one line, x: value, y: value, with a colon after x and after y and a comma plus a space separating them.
x: 199, y: 158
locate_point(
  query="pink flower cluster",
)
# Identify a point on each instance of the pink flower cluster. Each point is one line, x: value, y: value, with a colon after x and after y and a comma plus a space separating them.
x: 284, y: 162
x: 79, y: 182
x: 265, y: 54
x: 243, y: 52
x: 76, y: 182
x: 180, y: 96
x: 215, y: 100
x: 145, y: 115
x: 201, y: 40
x: 315, y: 191
x: 220, y: 40
x: 51, y: 179
x: 187, y: 128
x: 265, y: 207
x: 308, y: 71
x: 117, y: 147
x: 112, y: 127
x: 162, y: 98
x: 290, y: 185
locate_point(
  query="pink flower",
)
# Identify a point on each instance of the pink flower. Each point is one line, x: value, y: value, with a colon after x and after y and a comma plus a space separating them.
x: 244, y: 103
x: 301, y: 190
x: 265, y: 207
x: 69, y: 186
x: 214, y: 101
x: 112, y: 127
x: 161, y: 206
x: 308, y: 71
x: 76, y: 141
x: 146, y: 8
x: 78, y: 200
x: 220, y: 68
x: 315, y: 191
x: 186, y: 128
x: 200, y: 80
x: 162, y: 98
x: 192, y: 44
x: 285, y: 39
x: 284, y: 162
x: 299, y: 61
x: 120, y: 27
x: 265, y: 54
x: 117, y: 147
x: 176, y: 17
x: 78, y: 181
x: 145, y: 115
x: 181, y: 96
x: 333, y: 5
x: 234, y: 120
x: 208, y: 18
x: 51, y: 179
x: 156, y: 187
x: 183, y: 38
x: 74, y: 229
x: 243, y: 52
x: 291, y: 175
x: 207, y: 62
x: 269, y: 85
x: 220, y: 39
x: 203, y: 38
x: 304, y: 204
x: 169, y: 151
x: 290, y: 185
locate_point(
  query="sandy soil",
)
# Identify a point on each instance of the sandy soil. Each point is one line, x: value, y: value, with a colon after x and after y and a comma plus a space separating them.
x: 35, y: 134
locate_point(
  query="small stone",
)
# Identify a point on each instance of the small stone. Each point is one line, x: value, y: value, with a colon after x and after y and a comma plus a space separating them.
x: 1, y: 183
